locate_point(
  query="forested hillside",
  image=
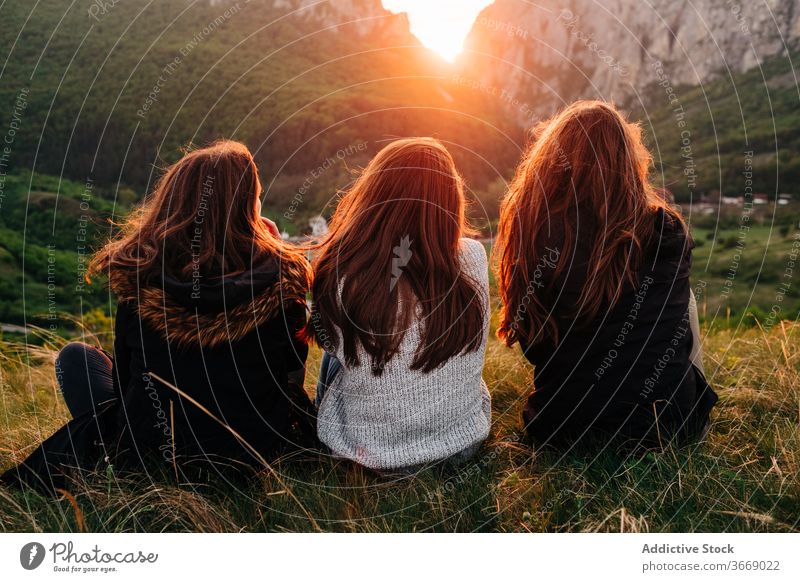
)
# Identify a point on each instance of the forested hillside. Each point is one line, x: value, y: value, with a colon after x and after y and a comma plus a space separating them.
x: 48, y: 227
x: 717, y: 136
x: 101, y: 96
x: 112, y: 94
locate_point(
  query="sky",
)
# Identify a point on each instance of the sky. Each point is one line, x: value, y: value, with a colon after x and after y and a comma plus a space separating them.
x: 441, y: 25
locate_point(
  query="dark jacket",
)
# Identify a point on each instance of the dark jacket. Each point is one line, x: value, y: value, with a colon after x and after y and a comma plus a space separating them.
x: 227, y: 347
x: 626, y: 375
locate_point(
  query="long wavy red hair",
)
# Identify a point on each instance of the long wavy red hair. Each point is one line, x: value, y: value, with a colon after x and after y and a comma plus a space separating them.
x: 393, y: 249
x: 202, y: 217
x: 584, y: 176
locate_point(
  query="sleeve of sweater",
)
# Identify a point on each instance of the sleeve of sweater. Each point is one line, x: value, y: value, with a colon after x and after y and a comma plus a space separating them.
x: 476, y: 266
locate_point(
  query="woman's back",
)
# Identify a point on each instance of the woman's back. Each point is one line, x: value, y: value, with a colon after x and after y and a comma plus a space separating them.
x: 401, y: 299
x: 406, y: 417
x: 627, y: 372
x: 594, y: 283
x: 229, y: 345
x: 207, y: 362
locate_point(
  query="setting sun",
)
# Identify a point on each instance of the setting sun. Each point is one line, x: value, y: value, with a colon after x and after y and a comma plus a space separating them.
x: 441, y: 25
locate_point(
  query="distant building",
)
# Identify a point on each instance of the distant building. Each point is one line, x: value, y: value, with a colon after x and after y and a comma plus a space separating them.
x: 760, y: 198
x: 704, y: 208
x: 319, y: 226
x: 733, y: 200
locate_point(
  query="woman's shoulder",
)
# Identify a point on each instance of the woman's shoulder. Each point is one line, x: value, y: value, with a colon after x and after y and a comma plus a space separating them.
x: 671, y: 233
x: 473, y: 251
x: 474, y: 262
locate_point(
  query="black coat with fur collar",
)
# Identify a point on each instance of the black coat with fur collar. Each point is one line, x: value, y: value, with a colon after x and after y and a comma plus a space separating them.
x: 203, y: 372
x: 203, y: 369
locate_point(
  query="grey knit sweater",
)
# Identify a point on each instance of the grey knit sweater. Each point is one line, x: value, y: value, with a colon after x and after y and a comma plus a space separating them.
x: 406, y: 417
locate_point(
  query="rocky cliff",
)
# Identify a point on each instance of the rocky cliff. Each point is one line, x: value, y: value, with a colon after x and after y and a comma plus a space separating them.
x: 360, y: 17
x: 539, y: 55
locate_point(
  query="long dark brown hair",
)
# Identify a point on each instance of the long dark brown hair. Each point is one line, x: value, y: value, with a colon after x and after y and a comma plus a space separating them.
x: 586, y: 165
x: 392, y: 248
x: 202, y: 216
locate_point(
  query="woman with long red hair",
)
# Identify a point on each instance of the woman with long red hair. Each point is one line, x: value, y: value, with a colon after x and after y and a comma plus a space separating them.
x: 401, y: 310
x: 593, y: 272
x: 207, y: 369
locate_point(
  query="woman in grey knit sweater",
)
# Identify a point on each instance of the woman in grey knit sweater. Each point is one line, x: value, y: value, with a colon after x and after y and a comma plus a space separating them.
x: 401, y: 309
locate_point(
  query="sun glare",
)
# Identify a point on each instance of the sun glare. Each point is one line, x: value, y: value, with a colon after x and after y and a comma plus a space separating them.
x: 441, y: 25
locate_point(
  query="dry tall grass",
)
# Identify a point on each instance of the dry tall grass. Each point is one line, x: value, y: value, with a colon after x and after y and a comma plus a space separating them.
x: 743, y: 478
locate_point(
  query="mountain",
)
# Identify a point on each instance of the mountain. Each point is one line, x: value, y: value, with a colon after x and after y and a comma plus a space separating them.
x: 364, y: 17
x: 113, y: 90
x: 713, y: 82
x: 549, y: 52
x: 101, y: 95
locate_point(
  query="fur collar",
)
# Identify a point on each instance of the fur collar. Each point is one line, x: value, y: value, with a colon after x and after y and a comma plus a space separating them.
x: 186, y: 327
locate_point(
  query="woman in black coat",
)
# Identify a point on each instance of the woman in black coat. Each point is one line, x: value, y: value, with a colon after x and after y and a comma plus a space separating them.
x: 594, y: 277
x: 207, y: 370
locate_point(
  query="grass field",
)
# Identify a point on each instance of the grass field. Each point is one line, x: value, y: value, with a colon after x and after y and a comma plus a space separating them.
x: 744, y: 270
x: 743, y: 478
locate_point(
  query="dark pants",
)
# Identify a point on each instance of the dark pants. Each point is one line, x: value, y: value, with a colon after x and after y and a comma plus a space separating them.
x: 329, y: 368
x: 84, y: 374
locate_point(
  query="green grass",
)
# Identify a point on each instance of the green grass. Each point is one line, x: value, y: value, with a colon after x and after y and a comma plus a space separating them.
x: 743, y: 271
x: 744, y: 478
x: 755, y: 110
